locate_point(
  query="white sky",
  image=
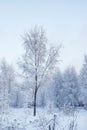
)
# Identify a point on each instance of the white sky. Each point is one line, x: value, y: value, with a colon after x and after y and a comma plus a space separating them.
x: 64, y: 20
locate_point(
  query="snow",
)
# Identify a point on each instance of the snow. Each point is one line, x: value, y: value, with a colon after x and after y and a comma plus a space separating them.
x: 22, y: 118
x: 82, y: 120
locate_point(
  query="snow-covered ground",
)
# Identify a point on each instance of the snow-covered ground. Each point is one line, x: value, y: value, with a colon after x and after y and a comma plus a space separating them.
x: 22, y: 119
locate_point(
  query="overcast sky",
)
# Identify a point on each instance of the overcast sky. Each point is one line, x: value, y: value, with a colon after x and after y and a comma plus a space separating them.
x: 64, y: 21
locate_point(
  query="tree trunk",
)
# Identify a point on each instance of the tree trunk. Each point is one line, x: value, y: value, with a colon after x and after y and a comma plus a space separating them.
x: 35, y: 93
x: 35, y: 98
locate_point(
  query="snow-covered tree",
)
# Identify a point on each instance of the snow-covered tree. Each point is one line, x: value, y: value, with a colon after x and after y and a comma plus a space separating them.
x: 70, y: 87
x: 6, y: 80
x: 36, y: 62
x: 83, y: 82
x: 57, y: 88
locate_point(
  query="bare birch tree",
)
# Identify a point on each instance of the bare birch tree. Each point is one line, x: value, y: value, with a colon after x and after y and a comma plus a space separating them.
x: 36, y: 62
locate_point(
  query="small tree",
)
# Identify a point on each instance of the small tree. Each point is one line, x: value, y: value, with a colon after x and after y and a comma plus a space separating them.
x: 71, y: 88
x: 83, y: 82
x: 35, y: 63
x: 58, y: 89
x: 6, y: 80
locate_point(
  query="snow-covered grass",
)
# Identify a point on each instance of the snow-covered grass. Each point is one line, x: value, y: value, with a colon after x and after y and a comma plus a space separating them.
x: 23, y: 119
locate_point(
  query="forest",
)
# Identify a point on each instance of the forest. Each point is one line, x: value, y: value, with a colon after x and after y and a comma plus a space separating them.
x: 46, y: 97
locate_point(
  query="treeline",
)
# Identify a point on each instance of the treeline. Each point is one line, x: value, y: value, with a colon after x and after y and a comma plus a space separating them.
x: 61, y: 90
